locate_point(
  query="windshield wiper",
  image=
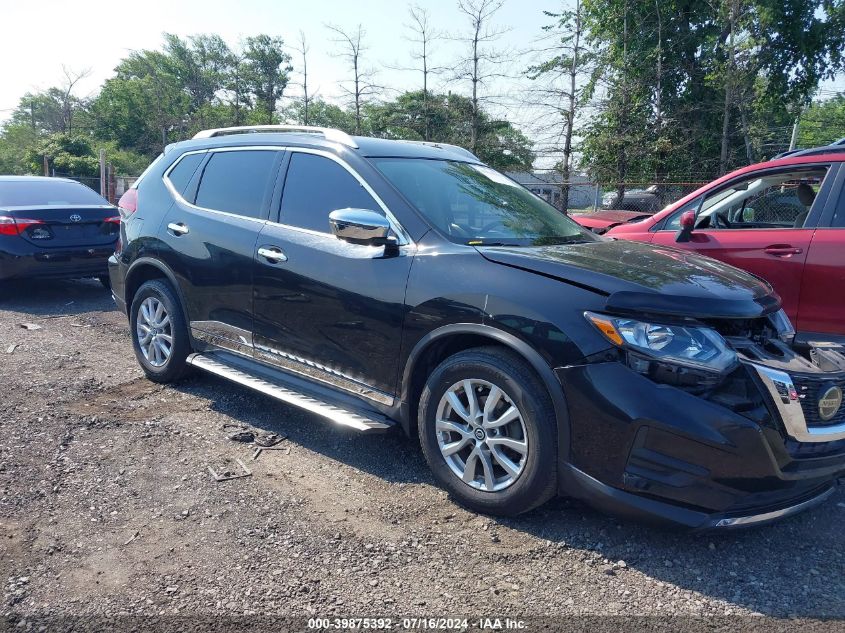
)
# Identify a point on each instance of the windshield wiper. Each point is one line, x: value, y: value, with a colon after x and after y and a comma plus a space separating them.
x: 486, y: 243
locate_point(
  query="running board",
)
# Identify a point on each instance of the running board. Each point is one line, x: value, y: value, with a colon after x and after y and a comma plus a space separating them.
x: 338, y: 415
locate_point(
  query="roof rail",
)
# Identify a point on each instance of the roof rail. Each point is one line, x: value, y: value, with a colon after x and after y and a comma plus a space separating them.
x: 818, y: 151
x: 837, y: 147
x: 330, y: 134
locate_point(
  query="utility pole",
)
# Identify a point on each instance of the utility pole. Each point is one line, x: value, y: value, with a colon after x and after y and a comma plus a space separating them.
x: 103, y: 184
x: 794, y: 138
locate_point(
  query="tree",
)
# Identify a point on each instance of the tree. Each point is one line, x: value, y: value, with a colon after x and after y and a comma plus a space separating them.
x: 482, y: 60
x: 16, y: 140
x: 143, y: 105
x: 303, y: 50
x: 822, y: 123
x: 202, y: 65
x: 563, y: 78
x: 362, y: 86
x: 54, y: 110
x: 449, y: 119
x: 65, y: 154
x: 423, y: 34
x: 265, y: 70
x: 321, y: 114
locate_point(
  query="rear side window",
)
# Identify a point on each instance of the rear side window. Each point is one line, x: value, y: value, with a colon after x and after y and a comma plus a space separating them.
x: 839, y: 212
x: 236, y: 182
x: 181, y: 175
x: 314, y: 187
x: 25, y: 193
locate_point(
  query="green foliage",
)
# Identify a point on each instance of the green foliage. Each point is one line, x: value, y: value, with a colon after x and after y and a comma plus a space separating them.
x: 667, y: 67
x: 66, y: 154
x: 321, y: 114
x: 822, y: 123
x: 16, y: 140
x: 266, y: 69
x: 450, y: 121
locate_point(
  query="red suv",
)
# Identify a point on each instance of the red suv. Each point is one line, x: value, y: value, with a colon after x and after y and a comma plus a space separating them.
x: 783, y: 220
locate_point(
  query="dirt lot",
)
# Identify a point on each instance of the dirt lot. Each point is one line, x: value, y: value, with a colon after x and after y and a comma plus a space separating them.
x: 107, y: 508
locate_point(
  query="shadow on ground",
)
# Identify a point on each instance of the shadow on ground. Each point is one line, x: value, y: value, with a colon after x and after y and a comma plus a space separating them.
x: 53, y: 297
x: 807, y: 548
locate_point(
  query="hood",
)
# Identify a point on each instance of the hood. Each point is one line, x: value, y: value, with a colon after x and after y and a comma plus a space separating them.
x: 643, y: 279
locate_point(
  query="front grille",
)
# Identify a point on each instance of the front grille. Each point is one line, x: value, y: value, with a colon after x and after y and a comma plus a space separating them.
x: 810, y: 389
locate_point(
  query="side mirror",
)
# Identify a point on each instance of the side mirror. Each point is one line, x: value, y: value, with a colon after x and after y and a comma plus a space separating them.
x: 360, y: 226
x: 687, y: 226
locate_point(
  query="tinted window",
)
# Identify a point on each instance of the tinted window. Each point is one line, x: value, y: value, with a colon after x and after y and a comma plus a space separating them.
x: 839, y: 214
x: 236, y: 181
x: 314, y: 187
x: 22, y: 193
x: 181, y: 175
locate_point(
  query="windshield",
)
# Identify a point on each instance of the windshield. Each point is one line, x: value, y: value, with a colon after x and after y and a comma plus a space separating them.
x: 28, y: 193
x: 474, y: 204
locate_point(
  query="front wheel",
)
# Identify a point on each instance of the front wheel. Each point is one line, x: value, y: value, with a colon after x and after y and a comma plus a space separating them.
x: 488, y: 432
x: 159, y: 336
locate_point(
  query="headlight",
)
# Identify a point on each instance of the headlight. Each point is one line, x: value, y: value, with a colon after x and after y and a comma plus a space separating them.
x: 695, y: 347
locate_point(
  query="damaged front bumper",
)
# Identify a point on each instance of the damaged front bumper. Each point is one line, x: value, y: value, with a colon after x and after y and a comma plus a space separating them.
x: 757, y: 449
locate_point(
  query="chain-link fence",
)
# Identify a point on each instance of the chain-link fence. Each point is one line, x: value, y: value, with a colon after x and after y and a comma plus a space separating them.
x: 641, y: 197
x: 115, y: 187
x: 583, y: 195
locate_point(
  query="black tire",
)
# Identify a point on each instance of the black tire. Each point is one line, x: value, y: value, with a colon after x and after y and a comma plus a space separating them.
x: 174, y: 367
x: 105, y: 281
x: 537, y: 481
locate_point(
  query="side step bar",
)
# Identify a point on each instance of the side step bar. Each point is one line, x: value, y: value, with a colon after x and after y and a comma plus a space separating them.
x: 344, y: 417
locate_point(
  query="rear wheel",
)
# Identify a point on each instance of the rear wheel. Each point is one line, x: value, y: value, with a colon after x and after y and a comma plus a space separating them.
x: 488, y: 432
x: 159, y: 335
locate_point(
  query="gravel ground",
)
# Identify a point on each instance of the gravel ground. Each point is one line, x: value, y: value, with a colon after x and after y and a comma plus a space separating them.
x: 107, y: 509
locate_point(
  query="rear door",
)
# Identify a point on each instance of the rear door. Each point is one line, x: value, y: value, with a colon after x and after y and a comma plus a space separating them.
x: 761, y: 226
x: 822, y: 306
x: 208, y: 237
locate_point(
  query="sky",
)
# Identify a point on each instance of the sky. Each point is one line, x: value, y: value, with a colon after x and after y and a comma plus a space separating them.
x: 41, y: 36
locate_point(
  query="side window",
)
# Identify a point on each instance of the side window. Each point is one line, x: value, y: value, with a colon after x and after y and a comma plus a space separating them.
x: 181, y: 175
x: 839, y: 214
x: 236, y: 181
x: 761, y: 201
x: 314, y: 187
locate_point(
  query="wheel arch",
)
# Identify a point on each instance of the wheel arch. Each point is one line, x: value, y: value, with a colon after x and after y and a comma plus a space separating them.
x: 145, y: 269
x: 438, y: 344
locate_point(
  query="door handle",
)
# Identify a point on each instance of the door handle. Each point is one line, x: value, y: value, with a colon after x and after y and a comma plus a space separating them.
x: 272, y: 254
x: 178, y: 228
x: 783, y: 250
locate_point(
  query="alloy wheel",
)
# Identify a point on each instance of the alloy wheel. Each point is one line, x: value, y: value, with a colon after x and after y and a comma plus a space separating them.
x: 481, y: 435
x: 154, y: 332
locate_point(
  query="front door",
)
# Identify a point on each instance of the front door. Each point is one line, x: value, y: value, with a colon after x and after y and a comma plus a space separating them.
x: 323, y: 307
x: 762, y: 224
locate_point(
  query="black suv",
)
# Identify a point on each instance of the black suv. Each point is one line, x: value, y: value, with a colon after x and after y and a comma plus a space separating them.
x: 387, y: 283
